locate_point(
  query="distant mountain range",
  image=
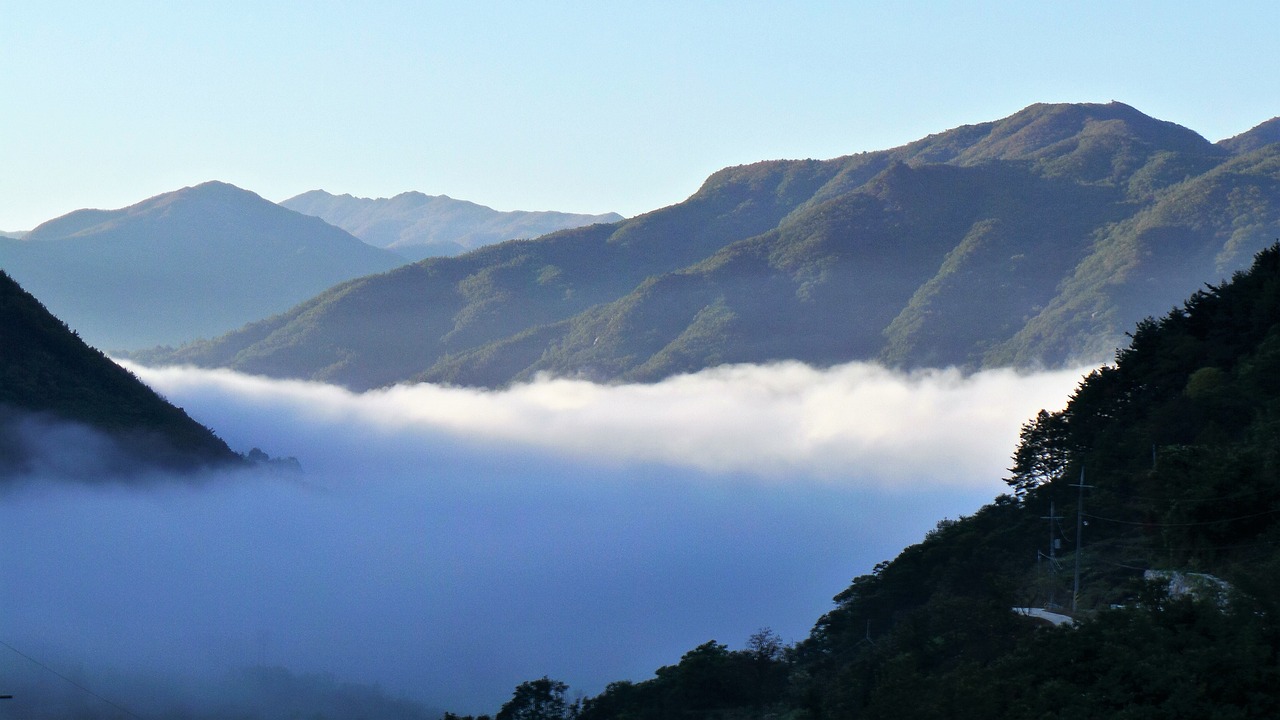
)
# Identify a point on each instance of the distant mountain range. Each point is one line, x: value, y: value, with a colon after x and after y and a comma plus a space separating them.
x: 187, y: 264
x: 1037, y: 239
x: 419, y: 226
x: 50, y: 380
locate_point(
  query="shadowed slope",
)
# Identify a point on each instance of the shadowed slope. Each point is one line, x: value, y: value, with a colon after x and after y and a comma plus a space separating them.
x: 48, y: 375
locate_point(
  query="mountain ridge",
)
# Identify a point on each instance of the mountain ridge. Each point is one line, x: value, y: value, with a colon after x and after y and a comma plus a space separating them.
x: 51, y: 379
x: 189, y: 263
x: 1046, y: 234
x: 1256, y: 137
x: 417, y: 225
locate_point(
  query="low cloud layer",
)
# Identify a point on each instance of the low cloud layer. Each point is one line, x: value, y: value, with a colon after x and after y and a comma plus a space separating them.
x: 852, y: 423
x: 448, y: 544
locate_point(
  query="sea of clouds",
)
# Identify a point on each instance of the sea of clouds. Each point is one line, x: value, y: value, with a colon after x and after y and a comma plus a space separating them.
x: 449, y: 543
x: 858, y: 424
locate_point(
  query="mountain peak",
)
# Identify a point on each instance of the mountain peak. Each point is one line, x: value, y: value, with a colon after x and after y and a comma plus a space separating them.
x: 1085, y: 135
x: 216, y: 185
x: 214, y: 190
x: 212, y: 194
x: 1048, y: 129
x: 196, y: 261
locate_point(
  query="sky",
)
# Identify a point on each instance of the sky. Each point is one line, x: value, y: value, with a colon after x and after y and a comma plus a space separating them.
x: 572, y: 106
x: 448, y: 544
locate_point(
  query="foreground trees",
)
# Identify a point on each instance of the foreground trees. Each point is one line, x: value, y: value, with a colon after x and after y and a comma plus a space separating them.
x: 1180, y: 445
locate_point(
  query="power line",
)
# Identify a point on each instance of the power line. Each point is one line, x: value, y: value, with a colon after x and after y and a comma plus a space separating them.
x: 71, y: 682
x: 1121, y: 565
x: 1223, y: 498
x: 1186, y: 524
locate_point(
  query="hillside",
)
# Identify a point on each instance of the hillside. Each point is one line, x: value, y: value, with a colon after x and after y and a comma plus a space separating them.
x: 431, y: 310
x: 1176, y: 445
x: 1259, y: 137
x: 1178, y: 530
x: 419, y: 226
x: 191, y: 263
x: 51, y: 382
x: 1038, y: 239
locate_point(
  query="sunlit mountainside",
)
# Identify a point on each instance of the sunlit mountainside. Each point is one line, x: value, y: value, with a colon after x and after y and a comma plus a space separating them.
x: 418, y: 226
x: 1033, y: 240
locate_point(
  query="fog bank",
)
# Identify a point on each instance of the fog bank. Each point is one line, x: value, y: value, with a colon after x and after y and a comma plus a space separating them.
x: 855, y: 423
x: 448, y: 544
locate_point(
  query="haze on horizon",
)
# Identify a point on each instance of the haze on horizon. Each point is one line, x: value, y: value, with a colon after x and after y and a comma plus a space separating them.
x: 566, y: 106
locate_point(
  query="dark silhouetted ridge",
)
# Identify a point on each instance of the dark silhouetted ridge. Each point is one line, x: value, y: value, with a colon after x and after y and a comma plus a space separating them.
x: 49, y: 374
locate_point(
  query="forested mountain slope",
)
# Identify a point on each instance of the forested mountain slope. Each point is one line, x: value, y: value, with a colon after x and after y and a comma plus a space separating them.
x: 377, y: 330
x: 48, y: 376
x: 1176, y: 443
x: 418, y: 226
x: 187, y: 264
x: 1036, y: 239
x: 1177, y: 522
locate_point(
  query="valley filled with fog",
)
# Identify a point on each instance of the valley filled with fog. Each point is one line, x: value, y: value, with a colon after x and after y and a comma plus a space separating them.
x: 446, y: 544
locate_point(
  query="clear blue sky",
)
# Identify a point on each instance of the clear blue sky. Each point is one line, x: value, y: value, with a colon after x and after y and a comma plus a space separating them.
x: 579, y: 106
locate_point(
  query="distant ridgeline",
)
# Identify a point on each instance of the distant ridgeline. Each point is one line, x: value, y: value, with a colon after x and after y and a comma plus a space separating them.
x: 1038, y: 239
x: 183, y: 265
x: 65, y: 407
x: 418, y: 226
x: 1178, y: 447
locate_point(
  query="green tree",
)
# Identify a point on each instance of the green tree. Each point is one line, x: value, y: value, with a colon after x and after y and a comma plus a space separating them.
x: 541, y: 699
x: 1042, y: 453
x: 764, y: 645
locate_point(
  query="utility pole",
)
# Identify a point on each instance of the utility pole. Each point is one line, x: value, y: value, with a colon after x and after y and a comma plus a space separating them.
x: 1075, y: 586
x: 1053, y: 555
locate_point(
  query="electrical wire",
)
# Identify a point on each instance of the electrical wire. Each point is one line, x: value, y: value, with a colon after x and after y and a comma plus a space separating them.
x: 1186, y: 524
x: 71, y: 682
x: 1224, y: 498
